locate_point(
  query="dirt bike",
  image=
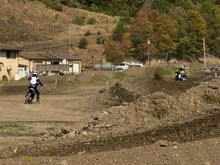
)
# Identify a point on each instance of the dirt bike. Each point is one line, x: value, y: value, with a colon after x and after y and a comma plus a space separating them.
x: 180, y: 78
x: 30, y: 94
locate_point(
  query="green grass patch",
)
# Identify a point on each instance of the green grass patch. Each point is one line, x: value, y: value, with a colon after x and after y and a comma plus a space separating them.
x: 160, y: 72
x: 79, y: 20
x: 119, y: 75
x: 210, y: 99
x: 51, y: 129
x: 12, y: 129
x: 91, y: 21
x: 99, y: 79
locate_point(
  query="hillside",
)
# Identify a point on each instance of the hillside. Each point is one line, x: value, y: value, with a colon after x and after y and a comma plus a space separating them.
x: 37, y: 27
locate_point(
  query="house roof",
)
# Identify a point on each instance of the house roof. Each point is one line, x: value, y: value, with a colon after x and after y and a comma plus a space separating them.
x: 14, y: 47
x: 38, y: 56
x: 66, y: 56
x: 48, y: 56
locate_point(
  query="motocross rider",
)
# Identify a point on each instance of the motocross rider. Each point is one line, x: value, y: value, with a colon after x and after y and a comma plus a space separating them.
x: 35, y: 82
x: 181, y: 72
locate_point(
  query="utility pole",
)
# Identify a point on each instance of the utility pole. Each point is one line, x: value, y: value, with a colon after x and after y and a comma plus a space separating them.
x: 166, y: 57
x: 204, y: 52
x: 69, y: 40
x: 148, y: 52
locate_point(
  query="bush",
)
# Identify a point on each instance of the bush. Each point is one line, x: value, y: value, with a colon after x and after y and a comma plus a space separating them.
x: 53, y: 4
x: 100, y: 40
x: 83, y: 43
x: 88, y: 33
x: 79, y: 20
x: 161, y: 108
x: 91, y: 21
x: 118, y: 32
x: 159, y: 112
x: 99, y: 33
x: 71, y: 3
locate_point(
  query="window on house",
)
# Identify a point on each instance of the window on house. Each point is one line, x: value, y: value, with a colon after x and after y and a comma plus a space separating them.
x: 11, y: 54
x: 38, y: 61
x: 55, y: 62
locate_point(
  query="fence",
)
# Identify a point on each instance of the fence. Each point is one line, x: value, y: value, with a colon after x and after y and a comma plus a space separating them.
x: 53, y: 68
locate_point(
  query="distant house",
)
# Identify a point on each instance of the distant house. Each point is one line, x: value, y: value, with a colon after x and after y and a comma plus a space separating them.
x: 74, y: 62
x: 9, y: 66
x: 50, y: 62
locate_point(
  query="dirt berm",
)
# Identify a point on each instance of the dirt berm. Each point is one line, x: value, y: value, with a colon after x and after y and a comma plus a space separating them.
x: 138, y: 119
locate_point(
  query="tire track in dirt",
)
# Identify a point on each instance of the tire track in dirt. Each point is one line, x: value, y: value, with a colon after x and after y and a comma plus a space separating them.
x: 198, y: 129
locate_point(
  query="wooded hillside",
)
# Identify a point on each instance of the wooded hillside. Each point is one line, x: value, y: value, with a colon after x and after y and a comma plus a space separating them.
x: 175, y: 27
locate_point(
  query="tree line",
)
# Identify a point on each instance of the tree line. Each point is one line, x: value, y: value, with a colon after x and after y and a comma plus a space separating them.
x: 174, y: 27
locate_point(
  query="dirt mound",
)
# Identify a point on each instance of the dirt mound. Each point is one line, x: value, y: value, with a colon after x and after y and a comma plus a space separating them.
x: 117, y: 95
x: 150, y: 111
x: 141, y: 82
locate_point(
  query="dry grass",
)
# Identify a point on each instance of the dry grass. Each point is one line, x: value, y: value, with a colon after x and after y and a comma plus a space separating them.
x: 37, y: 27
x: 212, y: 60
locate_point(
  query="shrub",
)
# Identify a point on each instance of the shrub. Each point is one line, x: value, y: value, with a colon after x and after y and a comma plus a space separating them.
x: 91, y: 21
x: 161, y: 108
x: 88, y: 33
x: 54, y: 4
x: 210, y: 99
x: 83, y: 43
x: 159, y: 112
x: 71, y: 3
x: 118, y: 32
x: 114, y: 53
x: 79, y: 20
x: 100, y: 40
x: 99, y: 33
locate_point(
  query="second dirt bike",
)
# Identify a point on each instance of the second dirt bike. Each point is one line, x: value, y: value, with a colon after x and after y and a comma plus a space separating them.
x: 180, y: 77
x: 30, y: 94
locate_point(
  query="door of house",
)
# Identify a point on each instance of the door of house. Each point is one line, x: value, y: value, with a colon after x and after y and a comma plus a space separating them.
x: 76, y: 68
x: 70, y: 68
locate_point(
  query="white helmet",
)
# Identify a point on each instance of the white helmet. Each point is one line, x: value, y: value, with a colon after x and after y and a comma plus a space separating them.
x: 35, y: 73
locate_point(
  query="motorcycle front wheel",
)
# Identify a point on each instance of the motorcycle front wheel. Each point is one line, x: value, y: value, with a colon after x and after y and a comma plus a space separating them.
x: 27, y: 98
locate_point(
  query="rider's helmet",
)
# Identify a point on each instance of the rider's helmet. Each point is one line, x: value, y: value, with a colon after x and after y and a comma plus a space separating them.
x: 35, y: 74
x: 183, y: 67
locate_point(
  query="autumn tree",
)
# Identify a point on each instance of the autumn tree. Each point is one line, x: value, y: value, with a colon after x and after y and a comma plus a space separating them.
x: 114, y: 53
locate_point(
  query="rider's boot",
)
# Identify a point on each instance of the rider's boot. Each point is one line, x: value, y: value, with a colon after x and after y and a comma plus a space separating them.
x: 38, y: 99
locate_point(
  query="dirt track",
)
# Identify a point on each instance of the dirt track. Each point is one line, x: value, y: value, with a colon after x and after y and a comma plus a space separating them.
x: 71, y: 106
x: 132, y: 135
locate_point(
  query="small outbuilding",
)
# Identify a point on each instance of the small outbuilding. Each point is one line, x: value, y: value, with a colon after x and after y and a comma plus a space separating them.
x: 50, y: 62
